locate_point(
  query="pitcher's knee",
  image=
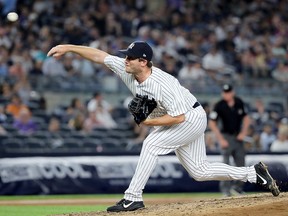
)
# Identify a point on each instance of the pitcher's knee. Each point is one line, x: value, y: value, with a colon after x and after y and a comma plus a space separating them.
x: 199, y: 177
x: 201, y: 173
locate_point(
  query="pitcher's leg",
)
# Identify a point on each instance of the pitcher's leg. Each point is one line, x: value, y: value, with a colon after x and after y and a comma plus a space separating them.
x: 161, y: 141
x: 146, y: 164
x: 193, y: 158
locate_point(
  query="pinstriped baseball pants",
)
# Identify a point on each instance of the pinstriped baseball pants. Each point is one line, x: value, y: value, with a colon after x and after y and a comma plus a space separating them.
x: 187, y: 140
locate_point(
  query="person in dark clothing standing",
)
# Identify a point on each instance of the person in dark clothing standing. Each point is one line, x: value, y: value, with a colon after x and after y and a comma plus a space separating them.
x: 234, y: 123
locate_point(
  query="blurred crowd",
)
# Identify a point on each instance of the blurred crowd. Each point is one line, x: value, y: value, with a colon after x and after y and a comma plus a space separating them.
x: 229, y: 41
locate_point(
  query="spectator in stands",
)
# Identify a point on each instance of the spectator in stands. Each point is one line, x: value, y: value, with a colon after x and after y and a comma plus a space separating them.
x: 5, y: 40
x: 7, y: 90
x: 42, y: 103
x: 91, y: 122
x: 247, y: 59
x: 215, y: 65
x: 278, y: 50
x: 251, y: 140
x: 260, y: 69
x: 24, y: 123
x: 259, y: 113
x: 77, y: 122
x: 27, y: 61
x: 241, y: 41
x: 68, y: 65
x: 53, y: 67
x: 170, y: 62
x: 113, y: 26
x: 3, y: 115
x: 280, y: 73
x: 16, y: 70
x: 54, y: 128
x: 102, y: 109
x: 267, y: 137
x: 76, y: 106
x: 15, y: 106
x: 36, y: 68
x: 192, y: 70
x: 84, y: 67
x: 23, y: 88
x: 281, y: 143
x: 4, y: 69
x: 211, y: 142
x: 54, y: 125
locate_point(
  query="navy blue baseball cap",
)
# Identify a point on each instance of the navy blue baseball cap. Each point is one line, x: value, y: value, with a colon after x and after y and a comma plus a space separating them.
x: 139, y: 49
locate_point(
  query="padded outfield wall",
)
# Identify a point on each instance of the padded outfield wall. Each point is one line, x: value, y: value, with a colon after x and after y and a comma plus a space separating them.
x: 112, y: 174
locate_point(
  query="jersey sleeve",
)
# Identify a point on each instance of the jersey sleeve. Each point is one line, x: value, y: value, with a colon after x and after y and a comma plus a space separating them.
x: 116, y: 64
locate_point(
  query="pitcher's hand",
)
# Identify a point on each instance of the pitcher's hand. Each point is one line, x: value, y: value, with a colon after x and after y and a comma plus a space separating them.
x: 58, y: 51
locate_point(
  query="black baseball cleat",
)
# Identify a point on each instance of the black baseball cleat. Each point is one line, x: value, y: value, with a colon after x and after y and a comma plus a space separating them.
x: 126, y: 205
x: 265, y: 179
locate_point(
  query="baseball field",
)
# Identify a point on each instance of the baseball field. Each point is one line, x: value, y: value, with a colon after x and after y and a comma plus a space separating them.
x: 200, y: 204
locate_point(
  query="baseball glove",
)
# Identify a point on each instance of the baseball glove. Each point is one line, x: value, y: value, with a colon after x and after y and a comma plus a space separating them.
x: 141, y: 107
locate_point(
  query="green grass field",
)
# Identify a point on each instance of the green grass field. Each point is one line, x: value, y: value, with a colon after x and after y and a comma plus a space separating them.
x: 45, y: 210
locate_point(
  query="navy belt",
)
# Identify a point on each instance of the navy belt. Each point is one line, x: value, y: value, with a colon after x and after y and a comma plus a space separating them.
x: 196, y: 104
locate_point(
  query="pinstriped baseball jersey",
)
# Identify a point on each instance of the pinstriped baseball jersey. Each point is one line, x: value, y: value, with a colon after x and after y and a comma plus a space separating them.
x: 186, y: 139
x: 171, y: 97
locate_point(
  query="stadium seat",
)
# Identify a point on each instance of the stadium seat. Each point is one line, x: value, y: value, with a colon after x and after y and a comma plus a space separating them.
x: 110, y: 144
x: 33, y: 143
x: 71, y: 143
x: 98, y: 134
x: 12, y: 143
x: 120, y: 112
x: 92, y: 144
x: 3, y: 100
x: 42, y: 135
x: 65, y: 128
x: 276, y: 107
x: 116, y: 134
x: 4, y: 137
x: 41, y: 114
x: 77, y: 135
x: 20, y: 136
x: 9, y: 128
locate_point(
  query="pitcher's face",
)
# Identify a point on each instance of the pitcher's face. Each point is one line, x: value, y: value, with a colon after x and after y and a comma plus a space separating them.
x: 133, y: 65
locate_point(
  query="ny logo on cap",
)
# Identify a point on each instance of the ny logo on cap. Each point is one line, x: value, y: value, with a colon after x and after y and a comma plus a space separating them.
x: 131, y: 46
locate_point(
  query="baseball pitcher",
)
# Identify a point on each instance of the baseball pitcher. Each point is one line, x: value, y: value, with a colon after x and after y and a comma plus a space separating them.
x: 179, y: 120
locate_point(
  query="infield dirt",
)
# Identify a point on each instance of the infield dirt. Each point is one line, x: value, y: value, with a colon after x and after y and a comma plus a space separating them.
x: 248, y: 205
x: 262, y: 204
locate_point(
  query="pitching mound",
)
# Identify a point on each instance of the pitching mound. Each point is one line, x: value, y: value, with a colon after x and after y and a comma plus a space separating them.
x: 249, y: 205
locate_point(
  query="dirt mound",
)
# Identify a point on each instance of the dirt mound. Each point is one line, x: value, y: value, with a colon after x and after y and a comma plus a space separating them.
x: 249, y: 205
